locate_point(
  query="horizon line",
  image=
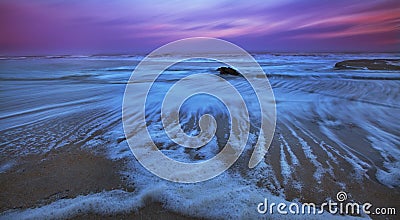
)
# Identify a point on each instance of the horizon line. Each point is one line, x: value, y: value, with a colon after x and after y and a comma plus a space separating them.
x: 55, y: 55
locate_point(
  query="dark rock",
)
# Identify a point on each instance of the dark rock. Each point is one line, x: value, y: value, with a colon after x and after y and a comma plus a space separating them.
x: 228, y: 71
x: 370, y: 64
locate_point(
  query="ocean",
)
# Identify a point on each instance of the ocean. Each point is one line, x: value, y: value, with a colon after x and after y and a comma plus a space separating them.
x: 336, y: 130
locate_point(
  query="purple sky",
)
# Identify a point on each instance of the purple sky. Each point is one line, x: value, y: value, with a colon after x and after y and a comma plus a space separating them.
x: 65, y: 27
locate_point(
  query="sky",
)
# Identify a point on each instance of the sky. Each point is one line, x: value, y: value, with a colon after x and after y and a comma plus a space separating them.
x: 128, y: 26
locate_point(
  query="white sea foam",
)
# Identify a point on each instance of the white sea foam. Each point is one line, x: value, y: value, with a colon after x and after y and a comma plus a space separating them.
x: 390, y: 174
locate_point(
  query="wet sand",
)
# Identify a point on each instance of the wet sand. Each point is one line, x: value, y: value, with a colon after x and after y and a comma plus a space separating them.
x: 152, y: 211
x: 68, y: 172
x: 365, y: 189
x: 41, y: 179
x: 61, y: 174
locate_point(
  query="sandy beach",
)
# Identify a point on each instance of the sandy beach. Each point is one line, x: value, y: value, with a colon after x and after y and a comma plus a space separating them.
x: 42, y: 179
x: 66, y: 173
x: 64, y: 153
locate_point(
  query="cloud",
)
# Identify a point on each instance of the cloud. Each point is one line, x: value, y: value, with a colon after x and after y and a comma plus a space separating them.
x: 70, y: 26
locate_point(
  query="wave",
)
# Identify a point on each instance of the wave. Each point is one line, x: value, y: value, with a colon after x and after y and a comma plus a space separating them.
x: 172, y: 75
x: 79, y: 77
x: 384, y: 76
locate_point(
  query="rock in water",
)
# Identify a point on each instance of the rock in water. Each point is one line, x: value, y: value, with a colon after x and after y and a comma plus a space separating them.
x: 371, y: 64
x: 228, y: 71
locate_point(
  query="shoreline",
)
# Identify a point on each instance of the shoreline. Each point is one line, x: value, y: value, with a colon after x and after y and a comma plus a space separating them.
x: 65, y: 174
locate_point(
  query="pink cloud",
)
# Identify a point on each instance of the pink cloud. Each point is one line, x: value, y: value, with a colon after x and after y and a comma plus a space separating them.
x: 130, y: 25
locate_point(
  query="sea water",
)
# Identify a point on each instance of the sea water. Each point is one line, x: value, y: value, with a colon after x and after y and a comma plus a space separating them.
x: 335, y: 129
